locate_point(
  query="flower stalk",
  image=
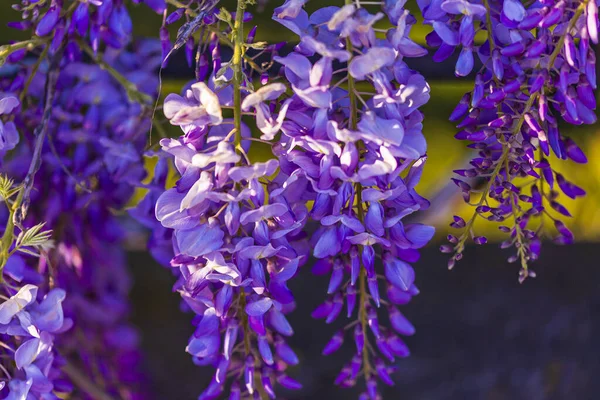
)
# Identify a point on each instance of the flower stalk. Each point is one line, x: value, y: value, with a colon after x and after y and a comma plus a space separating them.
x: 362, y: 278
x: 236, y: 65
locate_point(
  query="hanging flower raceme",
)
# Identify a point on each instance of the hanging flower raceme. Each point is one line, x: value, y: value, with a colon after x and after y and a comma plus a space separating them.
x: 95, y: 21
x: 30, y: 315
x: 236, y: 226
x: 29, y: 321
x: 90, y: 164
x: 356, y: 135
x: 538, y: 68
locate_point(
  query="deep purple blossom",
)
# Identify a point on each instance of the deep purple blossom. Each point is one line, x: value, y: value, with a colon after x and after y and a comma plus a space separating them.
x: 29, y: 322
x: 96, y: 22
x: 352, y: 147
x: 538, y: 65
x: 236, y: 228
x: 9, y: 136
x: 344, y: 167
x: 91, y: 163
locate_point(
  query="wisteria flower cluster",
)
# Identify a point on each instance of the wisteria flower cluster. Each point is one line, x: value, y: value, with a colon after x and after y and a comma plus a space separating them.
x: 356, y: 135
x: 339, y: 128
x: 95, y: 21
x: 88, y: 260
x: 28, y: 326
x: 236, y: 225
x: 538, y: 68
x: 30, y: 319
x: 78, y: 115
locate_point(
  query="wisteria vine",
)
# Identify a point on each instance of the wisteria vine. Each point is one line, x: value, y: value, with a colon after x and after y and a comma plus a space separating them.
x: 538, y: 64
x: 339, y: 126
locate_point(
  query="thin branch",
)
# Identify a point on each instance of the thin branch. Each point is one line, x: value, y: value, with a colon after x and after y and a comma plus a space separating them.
x: 84, y: 383
x: 40, y: 135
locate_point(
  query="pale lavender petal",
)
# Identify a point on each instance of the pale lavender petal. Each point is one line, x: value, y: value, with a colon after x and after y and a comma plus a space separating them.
x: 263, y: 212
x: 256, y: 170
x: 27, y: 352
x: 463, y: 7
x: 202, y: 240
x: 8, y: 103
x: 265, y: 93
x: 373, y: 60
x: 259, y: 307
x: 11, y: 307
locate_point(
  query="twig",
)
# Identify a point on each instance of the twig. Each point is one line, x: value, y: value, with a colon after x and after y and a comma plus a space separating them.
x: 18, y: 211
x: 84, y: 383
x: 40, y: 136
x: 8, y: 49
x: 222, y: 37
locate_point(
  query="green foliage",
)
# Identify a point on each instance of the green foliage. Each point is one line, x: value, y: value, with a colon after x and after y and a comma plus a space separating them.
x: 34, y: 237
x: 225, y: 16
x: 7, y: 188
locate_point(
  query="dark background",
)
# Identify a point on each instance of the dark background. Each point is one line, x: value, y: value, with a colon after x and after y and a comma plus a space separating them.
x: 480, y: 334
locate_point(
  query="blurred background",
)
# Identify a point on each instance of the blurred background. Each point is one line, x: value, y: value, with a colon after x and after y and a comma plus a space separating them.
x: 480, y: 335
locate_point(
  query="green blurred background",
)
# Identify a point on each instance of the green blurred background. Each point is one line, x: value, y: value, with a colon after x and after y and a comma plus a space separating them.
x: 445, y: 153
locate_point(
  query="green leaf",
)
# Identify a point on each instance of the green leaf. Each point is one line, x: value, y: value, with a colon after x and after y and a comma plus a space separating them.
x: 35, y: 237
x: 224, y: 16
x: 256, y: 45
x: 220, y: 79
x: 6, y: 188
x: 28, y: 252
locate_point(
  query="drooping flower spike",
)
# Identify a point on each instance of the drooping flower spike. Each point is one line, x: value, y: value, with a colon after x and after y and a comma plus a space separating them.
x: 97, y: 22
x: 90, y: 166
x: 342, y: 121
x: 538, y: 68
x: 28, y: 325
x: 356, y: 136
x: 237, y: 225
x: 78, y: 132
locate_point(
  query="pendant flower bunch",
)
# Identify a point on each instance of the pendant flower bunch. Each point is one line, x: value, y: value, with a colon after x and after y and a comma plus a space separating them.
x: 79, y: 160
x: 236, y: 224
x: 97, y: 22
x: 343, y: 123
x: 538, y: 68
x: 31, y: 313
x: 355, y: 134
x: 29, y: 322
x: 84, y: 128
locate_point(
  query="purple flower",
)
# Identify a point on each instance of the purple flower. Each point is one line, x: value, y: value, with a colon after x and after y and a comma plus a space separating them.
x: 352, y: 151
x: 536, y: 74
x: 199, y: 107
x: 464, y: 7
x: 265, y: 122
x: 9, y: 136
x: 373, y: 60
x: 236, y: 224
